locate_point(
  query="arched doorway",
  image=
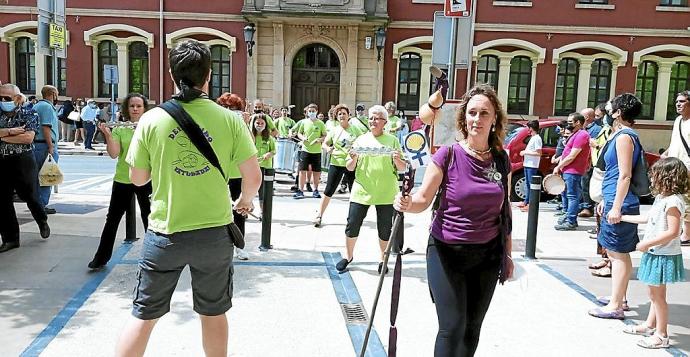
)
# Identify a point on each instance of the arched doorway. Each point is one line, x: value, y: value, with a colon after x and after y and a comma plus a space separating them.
x: 315, y: 78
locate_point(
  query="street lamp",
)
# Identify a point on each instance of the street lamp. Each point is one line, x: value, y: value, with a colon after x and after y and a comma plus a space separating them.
x: 249, y: 32
x: 380, y: 41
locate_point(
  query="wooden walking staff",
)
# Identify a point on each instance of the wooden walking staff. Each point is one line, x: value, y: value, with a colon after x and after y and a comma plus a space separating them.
x: 408, y: 183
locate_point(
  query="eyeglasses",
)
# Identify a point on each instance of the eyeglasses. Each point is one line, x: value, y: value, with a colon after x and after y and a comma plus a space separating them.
x: 5, y: 98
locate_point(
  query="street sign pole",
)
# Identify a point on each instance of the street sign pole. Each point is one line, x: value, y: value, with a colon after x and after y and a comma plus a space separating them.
x: 452, y: 58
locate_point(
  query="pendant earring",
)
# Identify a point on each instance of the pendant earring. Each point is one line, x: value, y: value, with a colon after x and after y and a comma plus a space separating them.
x: 493, y: 128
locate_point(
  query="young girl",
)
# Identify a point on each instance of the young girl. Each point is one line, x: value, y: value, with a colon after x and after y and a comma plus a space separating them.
x: 265, y: 145
x: 662, y: 261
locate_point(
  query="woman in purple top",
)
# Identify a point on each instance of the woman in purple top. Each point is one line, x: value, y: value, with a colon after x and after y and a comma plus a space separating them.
x: 470, y: 241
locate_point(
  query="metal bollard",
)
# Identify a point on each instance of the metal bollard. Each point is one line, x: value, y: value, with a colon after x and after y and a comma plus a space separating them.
x: 269, y: 176
x: 533, y: 217
x: 131, y: 221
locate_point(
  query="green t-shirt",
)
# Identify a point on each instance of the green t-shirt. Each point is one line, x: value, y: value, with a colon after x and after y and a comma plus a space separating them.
x: 341, y: 140
x: 362, y: 123
x: 189, y: 193
x: 270, y: 123
x: 376, y: 177
x: 284, y: 125
x: 312, y: 130
x: 123, y: 136
x: 332, y: 124
x: 234, y: 172
x: 263, y: 147
x: 393, y: 123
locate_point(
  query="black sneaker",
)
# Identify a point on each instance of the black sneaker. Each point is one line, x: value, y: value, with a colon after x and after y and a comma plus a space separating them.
x: 342, y: 265
x: 50, y: 210
x: 566, y: 226
x: 44, y: 229
x: 381, y: 266
x: 94, y: 265
x: 685, y: 243
x: 309, y: 189
x: 294, y: 189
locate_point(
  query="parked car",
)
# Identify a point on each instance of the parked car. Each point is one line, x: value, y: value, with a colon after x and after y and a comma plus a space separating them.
x: 517, y: 137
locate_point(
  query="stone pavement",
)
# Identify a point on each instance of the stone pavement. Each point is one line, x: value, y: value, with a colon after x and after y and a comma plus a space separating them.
x: 287, y: 302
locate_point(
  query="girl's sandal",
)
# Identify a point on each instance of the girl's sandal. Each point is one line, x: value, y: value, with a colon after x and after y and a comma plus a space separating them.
x: 654, y: 341
x: 598, y: 265
x: 635, y: 330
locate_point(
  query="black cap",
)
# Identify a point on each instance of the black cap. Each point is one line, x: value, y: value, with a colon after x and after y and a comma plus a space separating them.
x: 359, y: 107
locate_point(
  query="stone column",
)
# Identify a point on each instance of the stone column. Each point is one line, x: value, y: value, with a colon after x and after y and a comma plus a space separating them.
x: 503, y: 79
x: 349, y: 79
x: 583, y: 83
x: 252, y: 68
x: 278, y: 65
x: 122, y: 68
x: 95, y: 71
x: 662, y: 88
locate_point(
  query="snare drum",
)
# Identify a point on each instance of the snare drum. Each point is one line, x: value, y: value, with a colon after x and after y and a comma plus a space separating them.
x: 285, y: 156
x: 553, y: 184
x: 325, y: 160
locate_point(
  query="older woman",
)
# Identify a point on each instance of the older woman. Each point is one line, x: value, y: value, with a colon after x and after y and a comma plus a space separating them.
x: 117, y: 144
x: 338, y: 142
x: 619, y: 238
x: 470, y: 243
x: 376, y: 184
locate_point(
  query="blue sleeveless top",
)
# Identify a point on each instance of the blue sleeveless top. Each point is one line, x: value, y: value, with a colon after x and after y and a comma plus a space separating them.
x: 611, y: 174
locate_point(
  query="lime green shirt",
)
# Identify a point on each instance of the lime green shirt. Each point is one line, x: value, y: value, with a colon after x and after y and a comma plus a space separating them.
x: 332, y: 124
x: 234, y: 172
x: 189, y: 193
x: 284, y: 125
x: 376, y: 177
x: 270, y: 123
x: 312, y: 130
x: 263, y: 147
x: 393, y: 123
x: 360, y: 122
x: 341, y: 140
x: 122, y: 136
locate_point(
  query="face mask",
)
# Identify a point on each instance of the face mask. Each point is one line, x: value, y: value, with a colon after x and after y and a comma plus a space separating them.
x: 92, y: 106
x: 258, y: 111
x: 7, y: 106
x: 609, y: 120
x: 259, y: 127
x: 312, y: 115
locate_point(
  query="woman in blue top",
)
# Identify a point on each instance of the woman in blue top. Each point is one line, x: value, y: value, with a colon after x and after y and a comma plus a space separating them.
x: 619, y: 238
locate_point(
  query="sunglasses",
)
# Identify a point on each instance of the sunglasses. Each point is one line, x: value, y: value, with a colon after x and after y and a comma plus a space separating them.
x: 5, y: 98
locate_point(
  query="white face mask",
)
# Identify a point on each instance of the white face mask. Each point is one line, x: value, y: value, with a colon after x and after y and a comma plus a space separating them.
x: 259, y: 127
x: 312, y: 115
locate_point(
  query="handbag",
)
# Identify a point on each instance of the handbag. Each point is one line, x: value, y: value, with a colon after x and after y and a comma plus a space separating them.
x: 197, y: 137
x: 50, y: 173
x: 74, y: 115
x: 597, y: 179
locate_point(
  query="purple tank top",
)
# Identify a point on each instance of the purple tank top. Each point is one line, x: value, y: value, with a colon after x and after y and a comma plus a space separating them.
x: 470, y: 208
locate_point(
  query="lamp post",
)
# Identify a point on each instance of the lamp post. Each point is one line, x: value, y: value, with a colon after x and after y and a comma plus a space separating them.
x: 249, y: 32
x: 380, y: 41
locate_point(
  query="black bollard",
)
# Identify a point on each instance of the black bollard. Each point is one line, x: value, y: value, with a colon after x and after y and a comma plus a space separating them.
x: 533, y: 217
x: 269, y: 175
x: 131, y: 221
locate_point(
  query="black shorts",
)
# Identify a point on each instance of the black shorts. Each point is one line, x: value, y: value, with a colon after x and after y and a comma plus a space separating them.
x: 307, y: 159
x: 208, y: 252
x: 335, y: 174
x: 357, y: 213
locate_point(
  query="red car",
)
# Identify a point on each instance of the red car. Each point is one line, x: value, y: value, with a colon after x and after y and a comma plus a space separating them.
x: 516, y: 140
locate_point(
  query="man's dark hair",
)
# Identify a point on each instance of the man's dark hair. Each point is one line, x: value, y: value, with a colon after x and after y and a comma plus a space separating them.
x: 533, y: 124
x: 601, y: 107
x: 563, y: 123
x: 190, y: 63
x: 577, y: 117
x: 685, y: 93
x: 629, y: 106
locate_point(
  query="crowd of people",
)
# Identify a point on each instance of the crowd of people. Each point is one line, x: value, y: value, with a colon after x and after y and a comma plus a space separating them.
x: 191, y: 201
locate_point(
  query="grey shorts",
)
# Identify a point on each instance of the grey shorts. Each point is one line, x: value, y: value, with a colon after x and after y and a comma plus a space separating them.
x: 208, y: 252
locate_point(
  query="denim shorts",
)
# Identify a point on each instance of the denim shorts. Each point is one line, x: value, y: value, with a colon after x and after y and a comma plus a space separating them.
x: 208, y: 252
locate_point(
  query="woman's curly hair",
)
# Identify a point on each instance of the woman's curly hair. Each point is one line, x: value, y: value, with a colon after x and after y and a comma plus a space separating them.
x: 231, y: 101
x: 495, y: 136
x: 669, y: 176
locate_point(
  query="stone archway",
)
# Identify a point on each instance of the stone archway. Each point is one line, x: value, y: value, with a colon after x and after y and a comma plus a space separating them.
x: 315, y: 78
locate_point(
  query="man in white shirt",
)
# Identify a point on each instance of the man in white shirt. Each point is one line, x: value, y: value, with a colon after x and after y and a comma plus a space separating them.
x: 531, y: 157
x: 681, y: 149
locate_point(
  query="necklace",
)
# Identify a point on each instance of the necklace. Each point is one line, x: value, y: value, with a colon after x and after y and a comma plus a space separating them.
x: 478, y: 152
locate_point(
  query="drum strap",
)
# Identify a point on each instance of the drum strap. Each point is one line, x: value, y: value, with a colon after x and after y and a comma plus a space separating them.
x: 682, y: 137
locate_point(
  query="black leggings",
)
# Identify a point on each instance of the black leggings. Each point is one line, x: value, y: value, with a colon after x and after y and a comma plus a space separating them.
x: 120, y: 199
x: 462, y: 279
x: 235, y: 185
x: 335, y: 174
x: 19, y: 173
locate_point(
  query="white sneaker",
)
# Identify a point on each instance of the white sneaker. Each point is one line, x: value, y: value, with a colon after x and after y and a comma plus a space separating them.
x: 241, y: 254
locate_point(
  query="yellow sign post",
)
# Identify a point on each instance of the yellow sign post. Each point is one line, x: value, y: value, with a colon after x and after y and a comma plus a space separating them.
x: 57, y: 36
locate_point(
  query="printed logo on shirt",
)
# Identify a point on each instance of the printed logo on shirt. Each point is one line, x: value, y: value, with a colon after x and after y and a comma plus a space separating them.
x: 189, y: 161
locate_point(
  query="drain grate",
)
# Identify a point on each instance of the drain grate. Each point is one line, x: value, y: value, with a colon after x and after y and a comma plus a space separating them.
x: 354, y: 313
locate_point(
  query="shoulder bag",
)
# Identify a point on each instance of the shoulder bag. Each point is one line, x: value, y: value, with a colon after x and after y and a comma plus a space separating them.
x: 197, y: 137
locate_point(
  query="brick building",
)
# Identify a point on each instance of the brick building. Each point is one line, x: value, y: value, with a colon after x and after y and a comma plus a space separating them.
x: 546, y: 58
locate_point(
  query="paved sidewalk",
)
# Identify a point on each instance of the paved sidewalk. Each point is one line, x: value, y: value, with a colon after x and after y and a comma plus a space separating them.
x: 287, y: 302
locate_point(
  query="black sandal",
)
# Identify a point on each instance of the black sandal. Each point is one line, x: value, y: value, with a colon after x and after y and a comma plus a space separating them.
x: 342, y: 265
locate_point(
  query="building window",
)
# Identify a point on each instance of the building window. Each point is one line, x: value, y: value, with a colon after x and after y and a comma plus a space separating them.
x: 674, y: 3
x: 487, y: 70
x: 598, y: 2
x: 410, y: 72
x: 599, y: 82
x: 566, y: 86
x: 25, y: 65
x: 62, y: 74
x: 107, y: 54
x: 220, y: 71
x: 680, y: 81
x: 519, y: 85
x: 647, y: 76
x: 139, y: 68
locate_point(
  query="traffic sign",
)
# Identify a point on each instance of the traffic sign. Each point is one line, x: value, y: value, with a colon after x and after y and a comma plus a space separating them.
x: 57, y: 36
x: 440, y: 51
x: 458, y: 8
x: 110, y: 75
